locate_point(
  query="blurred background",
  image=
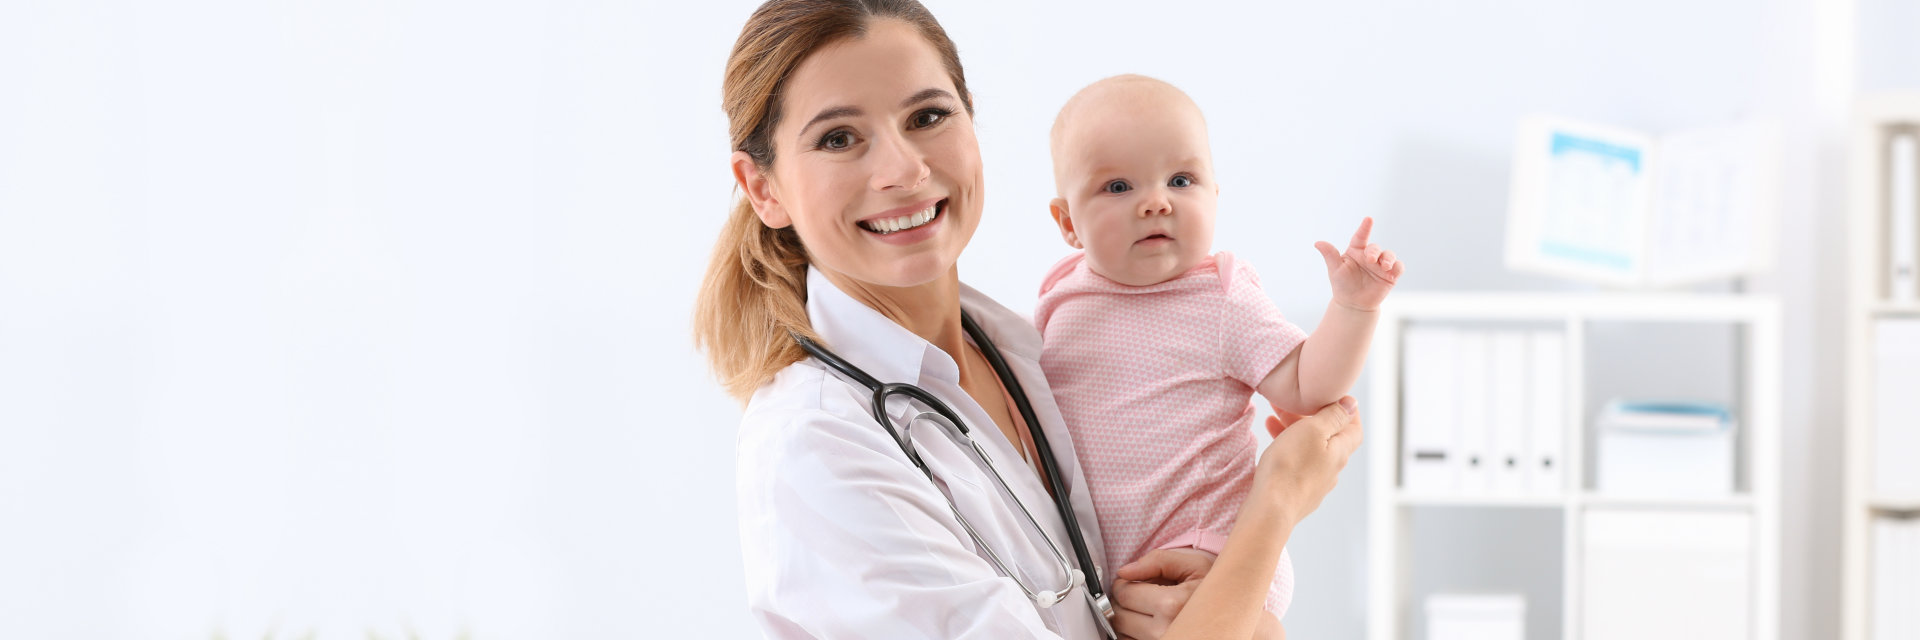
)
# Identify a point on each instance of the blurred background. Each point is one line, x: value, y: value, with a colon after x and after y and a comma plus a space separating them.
x: 351, y: 317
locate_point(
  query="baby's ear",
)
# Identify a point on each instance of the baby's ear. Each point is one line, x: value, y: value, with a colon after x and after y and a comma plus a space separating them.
x: 1059, y: 210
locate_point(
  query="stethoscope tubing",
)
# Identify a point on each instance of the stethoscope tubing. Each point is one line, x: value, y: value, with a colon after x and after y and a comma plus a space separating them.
x: 1049, y: 466
x: 1043, y: 449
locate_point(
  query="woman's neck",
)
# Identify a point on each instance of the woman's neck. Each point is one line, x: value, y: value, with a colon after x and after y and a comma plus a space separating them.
x: 931, y: 310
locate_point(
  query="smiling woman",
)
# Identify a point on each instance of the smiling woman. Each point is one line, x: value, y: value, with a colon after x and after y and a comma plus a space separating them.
x: 755, y: 288
x: 867, y: 161
x: 861, y: 183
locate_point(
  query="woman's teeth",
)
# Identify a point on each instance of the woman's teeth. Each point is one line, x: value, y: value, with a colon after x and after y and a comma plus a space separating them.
x: 902, y: 223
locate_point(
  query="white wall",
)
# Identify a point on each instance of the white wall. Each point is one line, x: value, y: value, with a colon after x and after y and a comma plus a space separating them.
x: 373, y: 315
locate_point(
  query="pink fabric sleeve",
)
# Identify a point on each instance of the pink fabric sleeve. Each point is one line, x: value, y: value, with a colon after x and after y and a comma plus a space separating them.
x: 1254, y: 336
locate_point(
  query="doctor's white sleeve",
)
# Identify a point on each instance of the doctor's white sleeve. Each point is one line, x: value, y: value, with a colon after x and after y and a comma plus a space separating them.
x: 842, y: 537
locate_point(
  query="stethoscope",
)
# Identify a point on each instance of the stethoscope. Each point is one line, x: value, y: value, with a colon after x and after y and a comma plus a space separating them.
x: 956, y: 429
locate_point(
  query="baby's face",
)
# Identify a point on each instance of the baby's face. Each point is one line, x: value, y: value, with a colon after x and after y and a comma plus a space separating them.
x: 1136, y: 178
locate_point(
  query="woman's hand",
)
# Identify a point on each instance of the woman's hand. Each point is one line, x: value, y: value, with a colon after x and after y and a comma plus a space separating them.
x: 1293, y: 475
x: 1306, y: 457
x: 1152, y: 590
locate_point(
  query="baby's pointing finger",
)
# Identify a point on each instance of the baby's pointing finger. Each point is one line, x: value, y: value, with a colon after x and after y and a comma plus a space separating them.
x: 1360, y: 237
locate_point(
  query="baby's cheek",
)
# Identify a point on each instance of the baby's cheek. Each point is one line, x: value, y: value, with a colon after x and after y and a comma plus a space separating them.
x: 1100, y: 256
x: 1106, y: 256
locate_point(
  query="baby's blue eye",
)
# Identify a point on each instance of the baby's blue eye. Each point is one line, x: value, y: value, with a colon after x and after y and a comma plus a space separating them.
x: 1118, y: 186
x: 1180, y: 181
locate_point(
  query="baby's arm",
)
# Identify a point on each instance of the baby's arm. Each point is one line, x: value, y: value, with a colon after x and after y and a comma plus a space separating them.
x: 1325, y: 365
x: 1328, y: 362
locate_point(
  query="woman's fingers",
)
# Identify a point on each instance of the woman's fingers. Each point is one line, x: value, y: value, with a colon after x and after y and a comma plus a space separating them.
x: 1331, y: 418
x: 1280, y: 420
x: 1156, y: 600
x: 1133, y: 624
x: 1338, y: 426
x: 1347, y: 431
x: 1167, y: 566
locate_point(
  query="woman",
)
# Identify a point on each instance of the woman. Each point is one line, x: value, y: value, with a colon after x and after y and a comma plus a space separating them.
x: 855, y: 153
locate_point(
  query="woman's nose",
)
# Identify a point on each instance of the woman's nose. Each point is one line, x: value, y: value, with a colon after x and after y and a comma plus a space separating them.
x: 897, y: 164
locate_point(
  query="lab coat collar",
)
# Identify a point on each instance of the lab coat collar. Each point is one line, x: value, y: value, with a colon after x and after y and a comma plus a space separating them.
x: 890, y: 352
x: 869, y: 340
x: 995, y: 320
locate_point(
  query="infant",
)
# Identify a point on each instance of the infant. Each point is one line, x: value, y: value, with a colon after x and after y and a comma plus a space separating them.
x: 1154, y: 346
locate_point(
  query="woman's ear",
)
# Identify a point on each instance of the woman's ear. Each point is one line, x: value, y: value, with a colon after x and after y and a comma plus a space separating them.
x: 760, y: 192
x: 1059, y: 210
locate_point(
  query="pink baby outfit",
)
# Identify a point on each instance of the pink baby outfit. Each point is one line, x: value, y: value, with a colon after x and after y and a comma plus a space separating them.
x: 1155, y: 383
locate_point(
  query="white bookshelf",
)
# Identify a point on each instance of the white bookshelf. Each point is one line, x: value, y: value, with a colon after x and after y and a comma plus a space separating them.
x: 1867, y: 301
x: 1757, y: 409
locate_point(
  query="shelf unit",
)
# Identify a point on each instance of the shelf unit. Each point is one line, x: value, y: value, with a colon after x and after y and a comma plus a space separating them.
x: 1867, y: 301
x: 1757, y: 407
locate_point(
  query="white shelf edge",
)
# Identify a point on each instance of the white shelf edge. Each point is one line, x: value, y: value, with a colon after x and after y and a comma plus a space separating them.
x: 1894, y: 309
x: 1525, y: 502
x: 1593, y: 500
x: 1603, y: 306
x: 1734, y: 502
x: 1907, y: 503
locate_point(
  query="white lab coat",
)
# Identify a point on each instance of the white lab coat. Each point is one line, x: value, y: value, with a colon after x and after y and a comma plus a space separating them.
x: 843, y: 537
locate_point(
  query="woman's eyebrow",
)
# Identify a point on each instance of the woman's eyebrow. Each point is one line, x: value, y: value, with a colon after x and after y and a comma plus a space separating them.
x: 836, y: 112
x: 925, y: 95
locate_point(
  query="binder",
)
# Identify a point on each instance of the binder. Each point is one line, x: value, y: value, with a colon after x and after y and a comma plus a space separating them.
x: 1896, y: 558
x: 1882, y: 573
x: 1507, y: 412
x: 1896, y: 417
x: 1906, y: 619
x: 1903, y: 211
x: 1430, y: 461
x: 1546, y: 411
x: 1909, y: 576
x: 1476, y: 478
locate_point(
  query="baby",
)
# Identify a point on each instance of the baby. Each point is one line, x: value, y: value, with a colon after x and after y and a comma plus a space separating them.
x: 1154, y: 347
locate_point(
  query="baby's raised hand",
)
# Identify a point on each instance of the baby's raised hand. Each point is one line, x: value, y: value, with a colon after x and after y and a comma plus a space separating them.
x: 1364, y: 274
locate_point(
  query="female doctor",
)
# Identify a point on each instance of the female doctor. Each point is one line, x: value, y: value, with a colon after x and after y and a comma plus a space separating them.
x: 940, y: 509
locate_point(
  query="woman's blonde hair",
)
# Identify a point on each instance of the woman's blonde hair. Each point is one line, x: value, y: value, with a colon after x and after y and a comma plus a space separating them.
x: 754, y: 296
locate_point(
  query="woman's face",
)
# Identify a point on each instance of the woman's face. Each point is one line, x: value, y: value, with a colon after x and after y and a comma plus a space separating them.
x: 875, y: 161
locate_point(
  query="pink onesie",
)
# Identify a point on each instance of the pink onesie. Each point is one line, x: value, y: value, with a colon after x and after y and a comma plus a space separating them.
x: 1155, y: 383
